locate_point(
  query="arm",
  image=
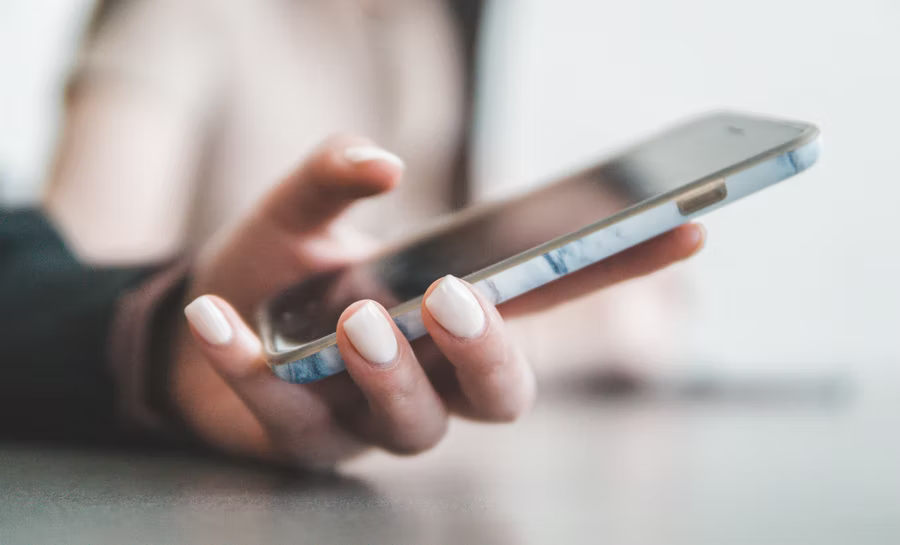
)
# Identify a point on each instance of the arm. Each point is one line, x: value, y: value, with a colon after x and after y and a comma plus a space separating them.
x: 120, y: 188
x: 137, y: 105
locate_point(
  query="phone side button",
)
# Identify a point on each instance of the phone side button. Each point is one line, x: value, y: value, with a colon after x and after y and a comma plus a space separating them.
x: 699, y: 198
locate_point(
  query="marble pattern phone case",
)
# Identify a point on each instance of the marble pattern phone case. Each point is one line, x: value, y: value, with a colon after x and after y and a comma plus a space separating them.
x: 577, y: 254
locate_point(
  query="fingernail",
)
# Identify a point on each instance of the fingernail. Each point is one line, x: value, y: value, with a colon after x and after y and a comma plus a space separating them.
x: 209, y: 321
x: 455, y: 308
x: 364, y: 154
x: 371, y: 334
x: 701, y: 234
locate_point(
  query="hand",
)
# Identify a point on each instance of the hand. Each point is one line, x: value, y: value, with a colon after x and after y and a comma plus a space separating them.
x: 228, y: 395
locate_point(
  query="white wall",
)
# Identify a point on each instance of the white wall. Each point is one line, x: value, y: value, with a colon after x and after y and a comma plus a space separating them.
x: 807, y: 273
x: 37, y: 40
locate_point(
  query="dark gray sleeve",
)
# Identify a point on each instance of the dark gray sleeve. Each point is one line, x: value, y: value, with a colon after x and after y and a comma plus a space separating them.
x: 55, y: 320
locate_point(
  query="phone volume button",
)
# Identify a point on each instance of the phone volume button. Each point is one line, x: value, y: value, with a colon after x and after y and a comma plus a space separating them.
x: 702, y: 197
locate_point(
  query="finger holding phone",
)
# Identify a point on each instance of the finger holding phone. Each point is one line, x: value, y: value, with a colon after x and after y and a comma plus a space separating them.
x: 221, y: 382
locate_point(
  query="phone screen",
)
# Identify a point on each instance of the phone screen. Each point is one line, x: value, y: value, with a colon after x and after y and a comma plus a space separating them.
x: 478, y: 238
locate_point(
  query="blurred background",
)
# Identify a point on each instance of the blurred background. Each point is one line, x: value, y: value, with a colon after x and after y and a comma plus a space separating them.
x: 803, y: 275
x: 798, y: 284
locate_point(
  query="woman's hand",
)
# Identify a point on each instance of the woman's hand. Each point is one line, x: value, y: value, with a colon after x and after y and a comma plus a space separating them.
x: 231, y: 399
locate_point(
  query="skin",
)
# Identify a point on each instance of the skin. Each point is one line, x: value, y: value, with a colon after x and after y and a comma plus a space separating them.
x: 231, y: 399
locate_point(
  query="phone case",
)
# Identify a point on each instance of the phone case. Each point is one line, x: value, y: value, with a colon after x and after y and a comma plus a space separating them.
x: 505, y: 280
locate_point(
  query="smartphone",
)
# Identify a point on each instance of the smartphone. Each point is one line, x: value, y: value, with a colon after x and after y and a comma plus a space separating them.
x: 509, y: 248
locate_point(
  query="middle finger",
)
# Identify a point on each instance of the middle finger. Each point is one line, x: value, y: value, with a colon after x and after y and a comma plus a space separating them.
x: 405, y: 413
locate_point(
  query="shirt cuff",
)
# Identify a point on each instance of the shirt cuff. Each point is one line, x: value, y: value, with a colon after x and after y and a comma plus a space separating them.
x: 138, y: 349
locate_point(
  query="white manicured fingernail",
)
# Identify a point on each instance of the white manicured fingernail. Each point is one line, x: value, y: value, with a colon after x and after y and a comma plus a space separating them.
x: 454, y: 307
x: 209, y: 321
x: 363, y: 154
x: 371, y: 334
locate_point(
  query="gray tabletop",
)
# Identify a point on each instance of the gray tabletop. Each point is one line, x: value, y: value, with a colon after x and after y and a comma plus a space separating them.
x: 758, y: 464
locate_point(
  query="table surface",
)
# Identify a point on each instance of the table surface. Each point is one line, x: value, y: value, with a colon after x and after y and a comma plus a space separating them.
x: 770, y: 465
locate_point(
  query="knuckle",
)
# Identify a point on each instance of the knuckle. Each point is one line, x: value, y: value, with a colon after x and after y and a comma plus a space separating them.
x: 307, y: 445
x: 405, y: 443
x: 488, y: 361
x: 410, y: 421
x: 293, y: 436
x: 403, y: 393
x: 508, y: 412
x: 510, y: 400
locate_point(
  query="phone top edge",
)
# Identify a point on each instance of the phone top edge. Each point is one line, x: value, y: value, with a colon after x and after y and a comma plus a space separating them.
x: 809, y: 134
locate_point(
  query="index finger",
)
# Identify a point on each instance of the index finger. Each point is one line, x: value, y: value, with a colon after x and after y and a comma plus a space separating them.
x: 342, y: 170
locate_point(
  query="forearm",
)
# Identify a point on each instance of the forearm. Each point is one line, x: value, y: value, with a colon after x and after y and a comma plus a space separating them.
x: 122, y: 178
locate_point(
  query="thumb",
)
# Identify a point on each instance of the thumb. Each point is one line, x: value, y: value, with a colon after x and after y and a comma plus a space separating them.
x: 342, y: 170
